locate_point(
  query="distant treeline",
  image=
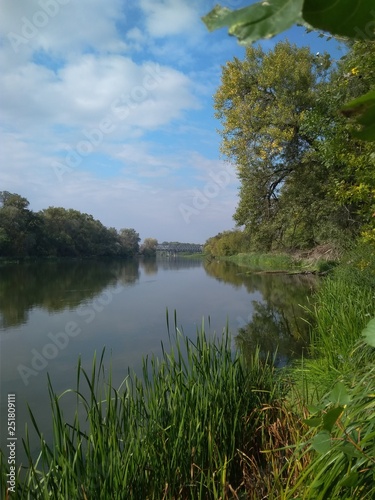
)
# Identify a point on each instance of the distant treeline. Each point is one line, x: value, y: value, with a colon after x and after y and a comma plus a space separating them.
x: 60, y: 232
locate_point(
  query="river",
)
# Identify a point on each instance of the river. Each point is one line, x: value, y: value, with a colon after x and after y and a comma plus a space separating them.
x: 53, y: 312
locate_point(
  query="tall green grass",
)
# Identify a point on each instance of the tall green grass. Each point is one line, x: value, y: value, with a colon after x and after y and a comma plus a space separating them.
x: 341, y: 443
x: 341, y: 312
x: 264, y: 262
x: 342, y: 307
x: 339, y: 380
x: 182, y: 431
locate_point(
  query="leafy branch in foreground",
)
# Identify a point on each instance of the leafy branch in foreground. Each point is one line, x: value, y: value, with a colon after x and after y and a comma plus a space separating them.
x: 338, y: 17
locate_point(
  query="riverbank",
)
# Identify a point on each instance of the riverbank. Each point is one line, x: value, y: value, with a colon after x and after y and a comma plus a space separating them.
x: 337, y: 386
x: 319, y: 260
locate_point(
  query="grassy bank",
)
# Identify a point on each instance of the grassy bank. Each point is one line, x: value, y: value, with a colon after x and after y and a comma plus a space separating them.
x: 287, y: 262
x: 265, y: 262
x: 332, y: 391
x: 337, y: 384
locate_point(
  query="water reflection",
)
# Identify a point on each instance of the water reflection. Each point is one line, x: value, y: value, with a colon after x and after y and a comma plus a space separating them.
x: 275, y: 332
x: 225, y: 271
x: 121, y: 305
x: 56, y: 285
x: 279, y: 321
x: 177, y: 262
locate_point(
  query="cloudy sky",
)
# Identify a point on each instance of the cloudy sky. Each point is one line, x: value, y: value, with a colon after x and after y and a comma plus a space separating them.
x: 106, y: 107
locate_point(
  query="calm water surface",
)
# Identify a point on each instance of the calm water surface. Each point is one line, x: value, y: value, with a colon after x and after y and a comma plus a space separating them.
x: 52, y: 313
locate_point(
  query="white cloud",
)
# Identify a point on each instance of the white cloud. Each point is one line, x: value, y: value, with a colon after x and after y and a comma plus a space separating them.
x: 138, y: 158
x: 61, y: 27
x: 92, y: 88
x: 70, y: 66
x: 136, y: 39
x: 170, y: 17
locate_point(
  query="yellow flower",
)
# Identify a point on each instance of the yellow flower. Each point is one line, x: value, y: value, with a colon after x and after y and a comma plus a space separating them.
x: 354, y: 71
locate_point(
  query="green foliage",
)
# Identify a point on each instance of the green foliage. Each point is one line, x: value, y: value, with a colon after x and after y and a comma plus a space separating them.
x: 21, y: 231
x: 340, y: 18
x: 148, y: 247
x: 71, y: 233
x: 267, y: 262
x: 263, y: 104
x: 60, y: 232
x: 304, y: 179
x: 129, y: 239
x: 345, y: 441
x: 364, y: 106
x: 339, y: 322
x: 369, y: 333
x: 181, y: 432
x: 226, y: 244
x: 339, y: 380
x: 349, y: 163
x: 266, y: 19
x: 260, y: 20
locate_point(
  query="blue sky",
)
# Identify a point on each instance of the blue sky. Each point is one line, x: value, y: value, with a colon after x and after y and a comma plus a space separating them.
x: 106, y: 107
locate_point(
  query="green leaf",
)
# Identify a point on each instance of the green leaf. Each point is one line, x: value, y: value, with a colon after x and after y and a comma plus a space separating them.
x: 350, y: 480
x: 330, y: 418
x: 217, y: 18
x: 363, y: 109
x: 350, y: 450
x: 322, y: 442
x: 349, y: 18
x: 315, y: 409
x: 339, y: 394
x: 369, y: 333
x: 260, y: 20
x: 313, y: 421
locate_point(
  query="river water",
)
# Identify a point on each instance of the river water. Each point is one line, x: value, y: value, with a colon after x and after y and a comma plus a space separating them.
x: 53, y: 312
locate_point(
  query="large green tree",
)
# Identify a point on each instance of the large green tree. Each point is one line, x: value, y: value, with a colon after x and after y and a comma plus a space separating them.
x: 262, y: 103
x: 148, y: 247
x: 20, y: 229
x: 305, y: 179
x: 58, y: 232
x: 73, y: 233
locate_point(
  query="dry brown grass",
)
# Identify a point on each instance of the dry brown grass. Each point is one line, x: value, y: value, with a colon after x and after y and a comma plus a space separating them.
x: 271, y: 462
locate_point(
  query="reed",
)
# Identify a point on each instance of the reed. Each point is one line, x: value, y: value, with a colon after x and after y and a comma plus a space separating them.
x: 342, y: 307
x: 180, y: 431
x: 341, y: 312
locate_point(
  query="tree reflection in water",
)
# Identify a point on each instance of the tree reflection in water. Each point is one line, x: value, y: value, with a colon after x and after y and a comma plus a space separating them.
x: 57, y: 285
x: 279, y: 322
x: 276, y: 331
